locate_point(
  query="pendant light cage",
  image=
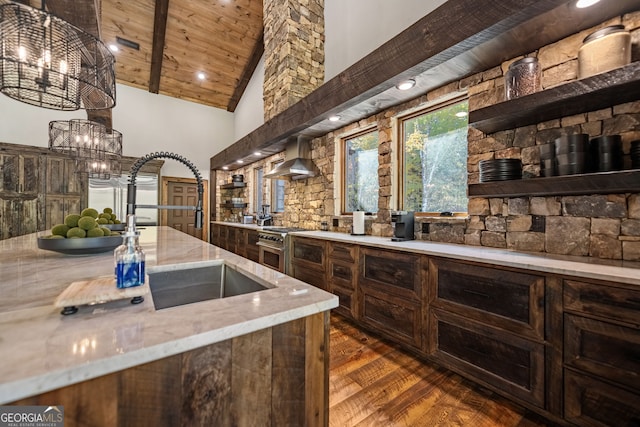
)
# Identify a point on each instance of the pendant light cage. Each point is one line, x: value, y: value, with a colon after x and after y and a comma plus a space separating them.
x: 47, y: 62
x: 97, y: 151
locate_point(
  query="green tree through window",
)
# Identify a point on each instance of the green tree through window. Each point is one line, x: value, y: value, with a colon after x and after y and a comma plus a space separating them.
x: 361, y: 173
x: 435, y: 160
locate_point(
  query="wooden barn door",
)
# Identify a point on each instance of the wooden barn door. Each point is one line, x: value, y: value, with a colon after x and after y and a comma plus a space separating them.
x: 183, y: 192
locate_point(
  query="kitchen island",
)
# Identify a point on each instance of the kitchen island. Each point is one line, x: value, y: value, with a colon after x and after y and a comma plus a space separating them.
x: 206, y: 362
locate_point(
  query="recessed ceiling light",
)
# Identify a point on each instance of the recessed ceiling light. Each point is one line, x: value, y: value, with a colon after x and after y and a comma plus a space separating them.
x: 406, y: 85
x: 461, y: 114
x: 334, y: 118
x: 586, y: 3
x: 240, y: 161
x: 201, y: 75
x: 257, y: 153
x: 113, y: 47
x: 226, y: 168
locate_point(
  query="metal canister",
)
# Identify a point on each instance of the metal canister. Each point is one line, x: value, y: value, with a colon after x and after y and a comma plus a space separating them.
x: 604, y: 50
x: 523, y: 77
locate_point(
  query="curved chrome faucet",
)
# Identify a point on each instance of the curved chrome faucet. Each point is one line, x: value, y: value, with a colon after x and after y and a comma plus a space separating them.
x: 131, y: 187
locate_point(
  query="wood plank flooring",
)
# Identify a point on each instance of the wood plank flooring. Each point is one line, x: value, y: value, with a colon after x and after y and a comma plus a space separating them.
x: 374, y: 383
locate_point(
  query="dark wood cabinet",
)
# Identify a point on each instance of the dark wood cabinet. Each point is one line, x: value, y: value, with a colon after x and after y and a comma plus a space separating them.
x: 390, y: 294
x: 596, y: 403
x: 241, y: 241
x: 601, y: 354
x: 309, y: 261
x: 342, y: 275
x: 488, y: 322
x: 506, y: 299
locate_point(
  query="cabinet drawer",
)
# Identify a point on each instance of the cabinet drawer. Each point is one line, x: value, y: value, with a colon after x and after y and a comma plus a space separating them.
x: 343, y: 251
x: 393, y: 272
x: 614, y: 303
x: 506, y: 361
x: 346, y: 301
x: 309, y: 275
x: 503, y: 298
x: 342, y: 274
x: 604, y: 349
x: 590, y: 402
x: 397, y: 318
x: 309, y: 251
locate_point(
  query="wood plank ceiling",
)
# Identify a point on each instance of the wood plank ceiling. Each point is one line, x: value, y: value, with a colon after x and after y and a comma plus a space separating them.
x: 220, y: 38
x: 176, y: 40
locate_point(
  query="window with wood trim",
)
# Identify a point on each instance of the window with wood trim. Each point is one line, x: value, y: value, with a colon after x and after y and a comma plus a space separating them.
x: 277, y: 192
x: 433, y: 150
x: 360, y: 172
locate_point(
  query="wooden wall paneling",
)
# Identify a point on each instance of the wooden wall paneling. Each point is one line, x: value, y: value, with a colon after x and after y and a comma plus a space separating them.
x: 553, y: 327
x: 90, y: 403
x: 251, y: 379
x: 316, y: 370
x: 150, y: 394
x: 206, y: 385
x: 288, y: 374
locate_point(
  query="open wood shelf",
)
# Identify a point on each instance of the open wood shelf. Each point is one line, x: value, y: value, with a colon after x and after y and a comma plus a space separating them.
x: 589, y: 94
x: 232, y: 185
x: 627, y: 181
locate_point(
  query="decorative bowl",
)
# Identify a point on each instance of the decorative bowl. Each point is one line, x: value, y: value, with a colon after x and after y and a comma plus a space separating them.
x: 114, y: 227
x: 85, y: 246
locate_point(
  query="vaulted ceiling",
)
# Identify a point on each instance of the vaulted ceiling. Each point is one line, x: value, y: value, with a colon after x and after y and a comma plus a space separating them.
x: 164, y: 44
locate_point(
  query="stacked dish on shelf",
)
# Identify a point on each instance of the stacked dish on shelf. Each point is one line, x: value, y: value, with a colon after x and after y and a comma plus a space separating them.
x: 606, y: 153
x: 572, y: 154
x: 635, y: 154
x: 500, y: 170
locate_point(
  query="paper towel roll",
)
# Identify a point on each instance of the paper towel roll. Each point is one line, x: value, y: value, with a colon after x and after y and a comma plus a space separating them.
x: 358, y: 222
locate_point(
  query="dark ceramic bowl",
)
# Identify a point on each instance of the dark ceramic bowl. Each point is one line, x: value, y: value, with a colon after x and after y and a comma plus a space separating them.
x: 547, y: 151
x: 86, y: 246
x: 572, y: 143
x: 606, y: 144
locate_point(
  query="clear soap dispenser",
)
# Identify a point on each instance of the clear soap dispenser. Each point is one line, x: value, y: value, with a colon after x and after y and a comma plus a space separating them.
x: 129, y: 258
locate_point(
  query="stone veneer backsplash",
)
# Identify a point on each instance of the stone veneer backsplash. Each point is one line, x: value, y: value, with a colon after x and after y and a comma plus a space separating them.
x: 599, y: 226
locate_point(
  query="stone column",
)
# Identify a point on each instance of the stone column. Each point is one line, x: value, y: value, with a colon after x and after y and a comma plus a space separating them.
x: 294, y: 52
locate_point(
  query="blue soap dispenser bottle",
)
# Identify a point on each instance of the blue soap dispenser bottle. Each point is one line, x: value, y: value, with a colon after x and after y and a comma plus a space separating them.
x: 129, y: 258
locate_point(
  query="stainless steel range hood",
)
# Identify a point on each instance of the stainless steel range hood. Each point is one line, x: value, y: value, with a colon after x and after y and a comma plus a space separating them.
x: 297, y: 161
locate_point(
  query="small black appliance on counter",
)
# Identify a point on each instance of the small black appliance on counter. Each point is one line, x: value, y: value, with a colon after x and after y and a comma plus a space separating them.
x: 402, y: 223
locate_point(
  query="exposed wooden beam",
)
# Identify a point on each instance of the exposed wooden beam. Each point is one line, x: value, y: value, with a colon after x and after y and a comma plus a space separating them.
x: 157, y: 52
x: 258, y: 50
x: 459, y: 38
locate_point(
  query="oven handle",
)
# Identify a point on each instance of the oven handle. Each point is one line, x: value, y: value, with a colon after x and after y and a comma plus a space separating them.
x: 267, y: 245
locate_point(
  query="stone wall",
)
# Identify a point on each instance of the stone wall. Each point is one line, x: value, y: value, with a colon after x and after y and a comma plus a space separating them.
x: 599, y: 226
x: 294, y: 52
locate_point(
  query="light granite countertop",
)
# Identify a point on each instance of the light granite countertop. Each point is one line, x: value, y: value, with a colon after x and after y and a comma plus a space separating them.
x: 43, y: 350
x: 587, y: 267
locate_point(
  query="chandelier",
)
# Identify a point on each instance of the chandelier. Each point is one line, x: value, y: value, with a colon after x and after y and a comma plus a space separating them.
x: 97, y: 150
x: 47, y: 62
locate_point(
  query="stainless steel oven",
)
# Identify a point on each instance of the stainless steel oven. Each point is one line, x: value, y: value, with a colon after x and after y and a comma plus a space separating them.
x: 273, y: 246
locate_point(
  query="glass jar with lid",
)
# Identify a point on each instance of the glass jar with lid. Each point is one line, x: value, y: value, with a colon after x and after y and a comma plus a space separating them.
x: 604, y: 50
x: 523, y: 77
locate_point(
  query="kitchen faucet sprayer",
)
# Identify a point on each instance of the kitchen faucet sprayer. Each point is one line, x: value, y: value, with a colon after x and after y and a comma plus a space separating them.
x: 131, y: 187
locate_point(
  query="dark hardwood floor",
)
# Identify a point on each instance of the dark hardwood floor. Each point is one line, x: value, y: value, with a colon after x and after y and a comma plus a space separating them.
x: 374, y: 383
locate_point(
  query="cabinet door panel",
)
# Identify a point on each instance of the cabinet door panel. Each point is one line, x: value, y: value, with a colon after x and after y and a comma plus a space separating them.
x: 19, y: 216
x: 503, y: 298
x: 309, y: 251
x: 342, y: 274
x: 251, y: 249
x: 396, y: 272
x: 343, y: 251
x: 346, y: 301
x: 607, y: 350
x: 312, y: 276
x: 494, y: 356
x: 590, y: 402
x: 398, y: 318
x: 614, y: 303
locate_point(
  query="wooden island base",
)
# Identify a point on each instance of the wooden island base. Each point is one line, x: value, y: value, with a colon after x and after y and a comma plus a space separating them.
x: 276, y: 376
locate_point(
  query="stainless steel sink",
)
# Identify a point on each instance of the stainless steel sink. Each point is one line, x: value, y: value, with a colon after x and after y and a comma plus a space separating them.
x: 171, y: 287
